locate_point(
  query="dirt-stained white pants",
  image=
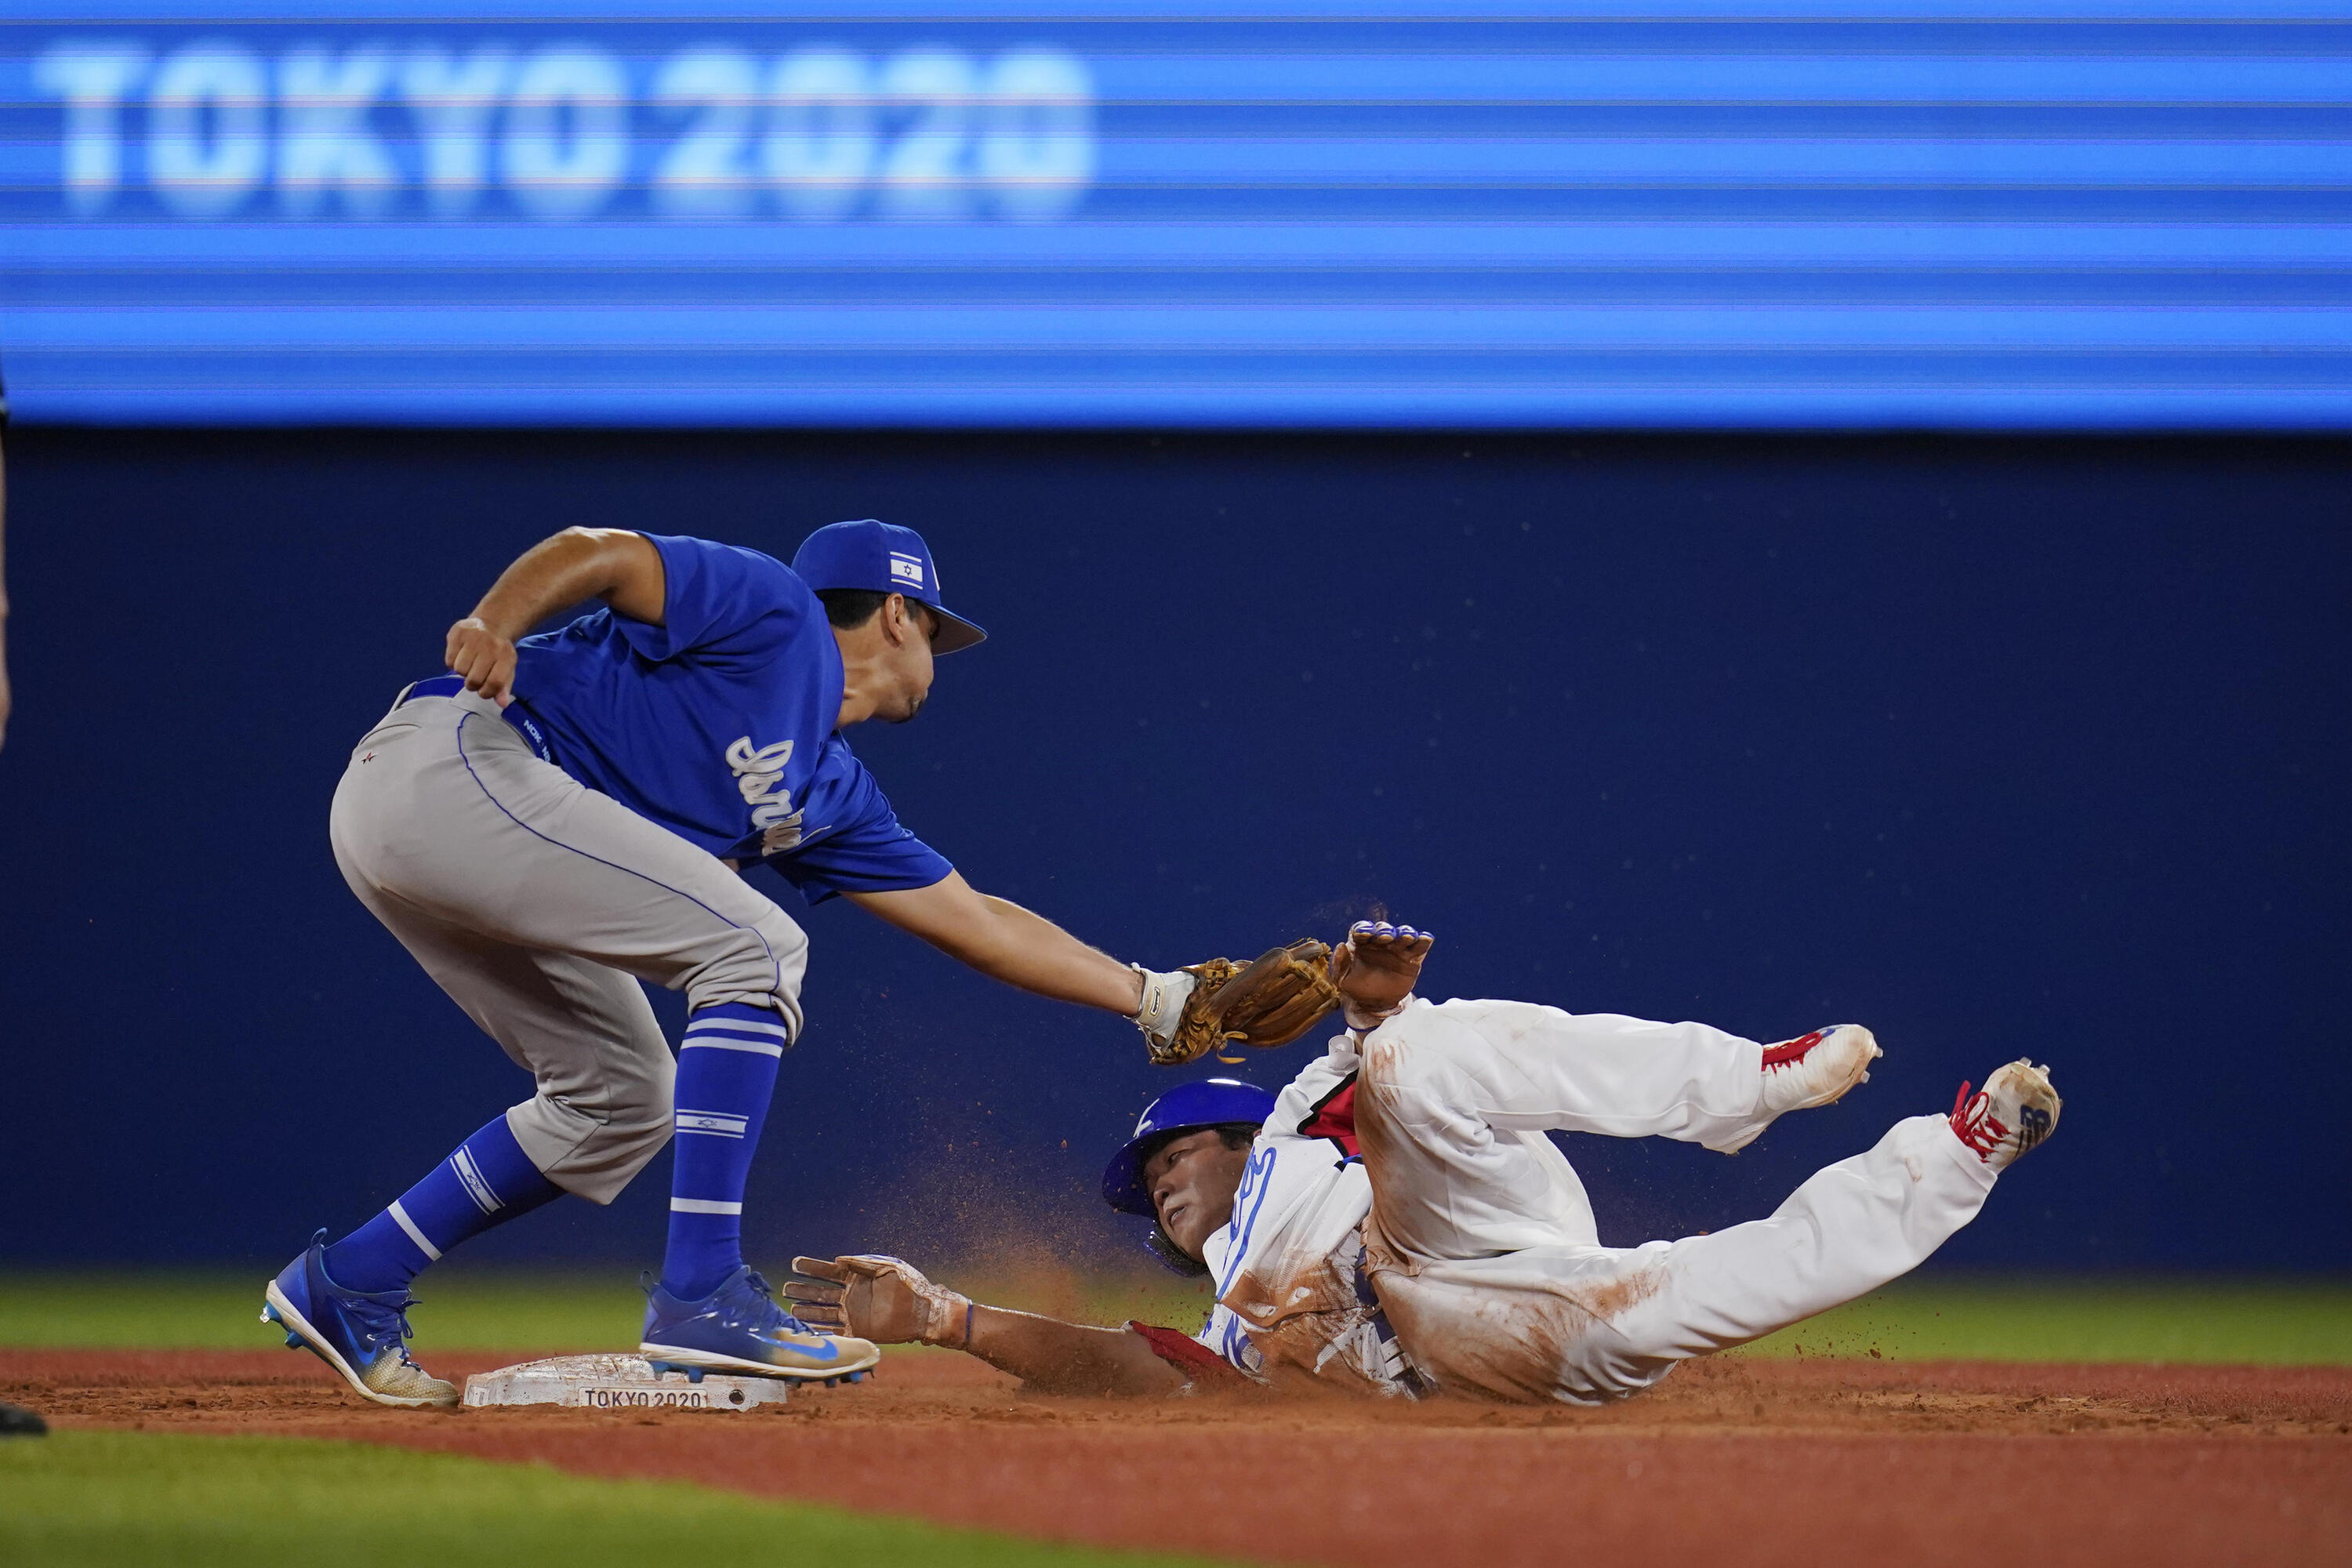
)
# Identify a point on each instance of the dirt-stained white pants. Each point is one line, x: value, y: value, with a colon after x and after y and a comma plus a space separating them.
x: 1481, y: 1243
x: 532, y: 900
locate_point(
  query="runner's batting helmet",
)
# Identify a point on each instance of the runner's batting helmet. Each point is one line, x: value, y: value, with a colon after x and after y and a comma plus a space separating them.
x: 1188, y: 1108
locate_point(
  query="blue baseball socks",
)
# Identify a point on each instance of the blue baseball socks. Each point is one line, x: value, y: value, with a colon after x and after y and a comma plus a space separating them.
x: 726, y: 1075
x: 486, y: 1182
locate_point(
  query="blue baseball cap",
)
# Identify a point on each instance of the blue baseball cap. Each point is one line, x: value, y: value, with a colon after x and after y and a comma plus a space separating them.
x: 882, y: 559
x: 1187, y: 1108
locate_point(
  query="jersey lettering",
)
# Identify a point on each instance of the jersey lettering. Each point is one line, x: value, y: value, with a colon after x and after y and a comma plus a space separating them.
x: 760, y: 775
x: 1248, y: 1198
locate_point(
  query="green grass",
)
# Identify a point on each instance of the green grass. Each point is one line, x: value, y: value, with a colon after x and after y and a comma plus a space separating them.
x: 2278, y: 1322
x: 481, y: 1310
x: 113, y: 1498
x: 472, y: 1309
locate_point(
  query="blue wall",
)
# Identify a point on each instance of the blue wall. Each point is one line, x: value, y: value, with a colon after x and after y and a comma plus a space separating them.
x: 2002, y: 748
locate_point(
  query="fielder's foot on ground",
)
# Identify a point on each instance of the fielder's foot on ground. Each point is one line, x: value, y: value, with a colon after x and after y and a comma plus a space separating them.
x: 740, y: 1328
x: 16, y: 1421
x: 2015, y: 1110
x: 361, y: 1336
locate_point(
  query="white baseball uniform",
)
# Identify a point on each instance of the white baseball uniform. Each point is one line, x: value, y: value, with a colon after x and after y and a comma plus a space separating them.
x: 1404, y: 1224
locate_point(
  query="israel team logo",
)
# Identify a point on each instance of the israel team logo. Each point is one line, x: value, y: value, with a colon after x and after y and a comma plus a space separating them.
x: 908, y: 569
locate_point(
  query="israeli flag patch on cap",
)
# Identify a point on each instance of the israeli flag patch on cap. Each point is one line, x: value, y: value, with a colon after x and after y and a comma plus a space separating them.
x: 872, y: 556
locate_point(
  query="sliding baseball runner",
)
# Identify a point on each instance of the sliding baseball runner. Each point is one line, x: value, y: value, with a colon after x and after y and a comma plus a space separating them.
x: 565, y: 815
x: 1396, y: 1222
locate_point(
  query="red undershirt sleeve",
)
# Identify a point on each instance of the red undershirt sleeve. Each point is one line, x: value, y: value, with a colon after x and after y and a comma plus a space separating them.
x: 1201, y: 1366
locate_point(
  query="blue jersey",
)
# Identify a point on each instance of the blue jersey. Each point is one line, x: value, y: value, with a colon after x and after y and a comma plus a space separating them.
x: 718, y: 723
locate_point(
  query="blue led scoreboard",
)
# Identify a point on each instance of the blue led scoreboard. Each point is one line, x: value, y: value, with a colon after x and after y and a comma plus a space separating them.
x: 2090, y: 216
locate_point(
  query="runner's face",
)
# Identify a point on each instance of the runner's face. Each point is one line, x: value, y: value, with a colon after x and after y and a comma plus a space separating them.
x: 1193, y: 1180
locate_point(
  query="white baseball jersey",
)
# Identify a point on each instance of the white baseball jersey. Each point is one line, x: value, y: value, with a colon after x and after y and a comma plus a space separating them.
x: 1292, y: 1295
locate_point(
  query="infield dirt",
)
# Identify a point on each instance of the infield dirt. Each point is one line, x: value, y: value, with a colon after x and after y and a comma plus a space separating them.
x: 1731, y: 1461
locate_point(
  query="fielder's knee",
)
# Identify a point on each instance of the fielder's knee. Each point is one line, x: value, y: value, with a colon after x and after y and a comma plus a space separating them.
x: 605, y: 1162
x: 758, y: 966
x: 635, y: 1143
x: 592, y: 1141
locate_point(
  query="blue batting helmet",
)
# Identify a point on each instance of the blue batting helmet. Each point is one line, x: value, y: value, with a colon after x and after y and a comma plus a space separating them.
x: 1187, y: 1108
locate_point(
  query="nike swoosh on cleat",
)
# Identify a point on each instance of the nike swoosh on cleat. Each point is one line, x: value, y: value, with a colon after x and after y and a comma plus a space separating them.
x: 832, y: 1352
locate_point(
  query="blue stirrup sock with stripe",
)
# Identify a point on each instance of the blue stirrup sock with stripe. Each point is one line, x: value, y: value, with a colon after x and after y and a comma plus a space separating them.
x: 486, y: 1181
x: 726, y: 1075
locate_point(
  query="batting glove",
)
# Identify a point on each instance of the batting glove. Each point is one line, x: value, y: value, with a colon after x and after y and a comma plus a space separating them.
x: 879, y: 1297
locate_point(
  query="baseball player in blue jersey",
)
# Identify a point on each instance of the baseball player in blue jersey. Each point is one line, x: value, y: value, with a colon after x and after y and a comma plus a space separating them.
x: 567, y: 814
x: 1396, y: 1221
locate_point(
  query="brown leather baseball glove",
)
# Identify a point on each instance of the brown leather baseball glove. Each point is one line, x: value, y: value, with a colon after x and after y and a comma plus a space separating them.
x: 1270, y: 1001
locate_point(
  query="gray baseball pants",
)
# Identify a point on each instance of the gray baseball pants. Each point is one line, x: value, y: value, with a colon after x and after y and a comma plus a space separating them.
x: 537, y: 904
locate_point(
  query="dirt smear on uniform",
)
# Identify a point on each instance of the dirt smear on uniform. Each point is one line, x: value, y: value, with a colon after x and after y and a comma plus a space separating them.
x: 1730, y: 1461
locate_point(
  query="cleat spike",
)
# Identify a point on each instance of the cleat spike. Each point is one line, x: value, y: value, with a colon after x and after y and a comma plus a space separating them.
x: 293, y: 1341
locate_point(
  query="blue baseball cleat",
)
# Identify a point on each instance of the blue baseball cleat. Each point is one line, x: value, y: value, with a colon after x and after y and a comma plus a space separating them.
x: 360, y: 1335
x: 740, y: 1328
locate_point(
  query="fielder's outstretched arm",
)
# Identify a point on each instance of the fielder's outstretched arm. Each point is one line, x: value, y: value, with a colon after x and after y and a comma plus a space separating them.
x: 889, y: 1301
x: 1007, y: 942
